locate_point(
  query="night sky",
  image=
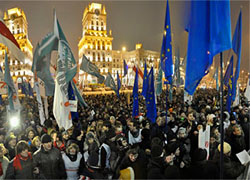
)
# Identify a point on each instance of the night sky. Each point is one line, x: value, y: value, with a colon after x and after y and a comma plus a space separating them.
x: 131, y: 22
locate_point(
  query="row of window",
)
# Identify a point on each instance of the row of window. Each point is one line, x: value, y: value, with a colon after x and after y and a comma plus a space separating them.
x: 97, y: 23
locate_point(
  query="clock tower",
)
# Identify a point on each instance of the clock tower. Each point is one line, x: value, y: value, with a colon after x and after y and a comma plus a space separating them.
x: 95, y: 43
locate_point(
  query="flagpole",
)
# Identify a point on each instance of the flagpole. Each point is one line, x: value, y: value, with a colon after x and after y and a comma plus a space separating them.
x: 221, y: 117
x: 166, y: 106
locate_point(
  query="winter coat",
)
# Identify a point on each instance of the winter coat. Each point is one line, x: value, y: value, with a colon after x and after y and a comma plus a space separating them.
x: 5, y: 163
x: 50, y: 163
x: 237, y: 144
x: 25, y: 173
x: 203, y: 170
x: 156, y: 169
x: 231, y: 169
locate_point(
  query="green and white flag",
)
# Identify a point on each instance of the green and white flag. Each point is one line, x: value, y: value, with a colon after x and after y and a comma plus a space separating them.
x: 66, y: 70
x: 159, y: 81
x: 14, y: 103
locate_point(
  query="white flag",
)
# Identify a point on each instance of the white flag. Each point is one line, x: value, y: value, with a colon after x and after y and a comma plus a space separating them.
x: 204, y: 139
x: 247, y: 93
x: 61, y: 107
x: 46, y: 105
x: 237, y: 97
x: 187, y: 98
x: 39, y: 102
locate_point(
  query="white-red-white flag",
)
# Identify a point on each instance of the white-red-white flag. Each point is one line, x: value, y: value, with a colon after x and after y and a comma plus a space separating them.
x: 9, y: 40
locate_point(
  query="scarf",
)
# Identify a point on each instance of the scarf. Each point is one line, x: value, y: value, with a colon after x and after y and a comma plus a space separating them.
x: 1, y: 169
x: 17, y: 163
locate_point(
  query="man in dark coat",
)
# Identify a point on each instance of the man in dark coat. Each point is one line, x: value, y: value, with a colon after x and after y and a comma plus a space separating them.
x: 236, y: 141
x: 201, y: 168
x: 48, y: 161
x: 231, y: 169
x: 21, y: 167
x: 136, y: 159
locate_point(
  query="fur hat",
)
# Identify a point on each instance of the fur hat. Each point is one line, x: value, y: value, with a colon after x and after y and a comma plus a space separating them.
x: 226, y: 148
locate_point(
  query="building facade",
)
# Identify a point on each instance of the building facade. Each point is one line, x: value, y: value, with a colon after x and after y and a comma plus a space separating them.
x: 16, y: 21
x: 96, y: 45
x: 96, y: 42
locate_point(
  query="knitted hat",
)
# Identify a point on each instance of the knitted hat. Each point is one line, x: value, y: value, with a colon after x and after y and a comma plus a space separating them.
x: 226, y: 148
x: 156, y: 151
x: 45, y: 138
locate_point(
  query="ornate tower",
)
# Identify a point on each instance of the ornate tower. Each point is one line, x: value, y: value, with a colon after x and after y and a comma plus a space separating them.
x: 95, y: 43
x: 16, y: 21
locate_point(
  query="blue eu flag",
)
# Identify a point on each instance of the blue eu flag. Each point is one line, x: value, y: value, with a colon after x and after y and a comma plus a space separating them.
x: 135, y: 96
x: 237, y: 49
x: 125, y: 68
x: 118, y: 85
x: 145, y: 81
x: 150, y: 97
x: 166, y: 49
x: 228, y: 71
x: 230, y: 87
x: 209, y: 34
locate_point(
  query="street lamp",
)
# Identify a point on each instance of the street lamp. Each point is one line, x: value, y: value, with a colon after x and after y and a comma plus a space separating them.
x: 123, y: 48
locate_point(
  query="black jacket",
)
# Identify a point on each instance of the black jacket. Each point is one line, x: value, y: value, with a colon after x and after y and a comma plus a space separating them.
x: 156, y: 169
x: 50, y: 163
x: 25, y: 173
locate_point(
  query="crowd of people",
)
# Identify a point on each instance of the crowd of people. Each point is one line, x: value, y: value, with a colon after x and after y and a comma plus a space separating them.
x: 106, y: 142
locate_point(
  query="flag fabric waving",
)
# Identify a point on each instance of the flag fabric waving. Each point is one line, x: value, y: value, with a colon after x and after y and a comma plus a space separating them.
x: 110, y: 82
x: 150, y: 97
x: 79, y: 96
x: 145, y: 81
x: 118, y: 84
x: 247, y: 92
x: 228, y: 72
x: 125, y: 68
x: 159, y: 81
x: 3, y: 85
x: 41, y: 65
x: 237, y: 49
x: 66, y: 70
x: 74, y: 115
x: 209, y: 34
x: 91, y: 69
x: 9, y: 40
x: 216, y: 77
x: 230, y: 87
x: 166, y: 49
x: 135, y: 96
x: 14, y: 103
x: 39, y: 102
x: 139, y: 71
x: 30, y: 90
x: 177, y: 68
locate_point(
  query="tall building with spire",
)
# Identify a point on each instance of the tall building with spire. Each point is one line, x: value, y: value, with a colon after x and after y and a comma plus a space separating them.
x: 16, y: 21
x: 96, y: 42
x: 96, y: 45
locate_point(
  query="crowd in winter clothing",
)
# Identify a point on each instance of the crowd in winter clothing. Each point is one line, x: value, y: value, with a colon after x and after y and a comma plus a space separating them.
x: 106, y: 142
